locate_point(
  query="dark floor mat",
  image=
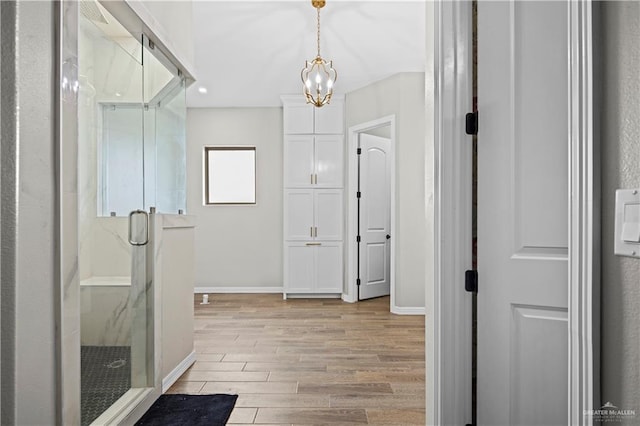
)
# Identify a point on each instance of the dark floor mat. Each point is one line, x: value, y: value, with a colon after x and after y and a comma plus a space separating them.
x: 192, y: 410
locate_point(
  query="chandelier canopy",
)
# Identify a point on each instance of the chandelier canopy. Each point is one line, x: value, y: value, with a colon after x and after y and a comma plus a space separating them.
x: 318, y: 75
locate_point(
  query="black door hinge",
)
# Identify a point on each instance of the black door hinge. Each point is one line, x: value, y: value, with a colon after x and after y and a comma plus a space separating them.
x: 358, y: 194
x: 358, y: 239
x: 358, y: 281
x: 359, y: 151
x: 471, y: 123
x: 471, y: 281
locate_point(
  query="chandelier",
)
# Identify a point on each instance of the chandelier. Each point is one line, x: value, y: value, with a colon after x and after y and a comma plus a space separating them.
x: 318, y: 75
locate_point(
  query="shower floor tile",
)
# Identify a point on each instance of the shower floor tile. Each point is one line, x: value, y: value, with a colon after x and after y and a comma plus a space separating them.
x: 105, y: 376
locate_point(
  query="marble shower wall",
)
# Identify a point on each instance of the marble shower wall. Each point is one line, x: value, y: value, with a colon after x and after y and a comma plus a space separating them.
x: 105, y: 315
x: 110, y: 248
x: 104, y: 252
x: 87, y: 153
x: 103, y: 247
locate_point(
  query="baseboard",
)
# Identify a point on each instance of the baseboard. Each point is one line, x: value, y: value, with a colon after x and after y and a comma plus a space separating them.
x: 348, y: 299
x: 314, y: 296
x: 171, y: 378
x: 215, y: 290
x: 408, y: 310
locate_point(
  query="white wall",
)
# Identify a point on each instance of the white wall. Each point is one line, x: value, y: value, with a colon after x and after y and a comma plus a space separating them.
x: 403, y: 95
x: 238, y: 246
x: 29, y: 225
x: 620, y: 355
x: 176, y: 279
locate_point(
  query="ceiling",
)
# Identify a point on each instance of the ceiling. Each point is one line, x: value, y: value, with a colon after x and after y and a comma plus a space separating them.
x: 248, y: 53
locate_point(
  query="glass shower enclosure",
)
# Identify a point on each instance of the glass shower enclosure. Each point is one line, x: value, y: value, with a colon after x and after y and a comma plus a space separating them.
x: 131, y: 164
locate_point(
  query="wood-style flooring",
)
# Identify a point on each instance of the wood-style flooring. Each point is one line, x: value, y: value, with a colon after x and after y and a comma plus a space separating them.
x: 309, y: 361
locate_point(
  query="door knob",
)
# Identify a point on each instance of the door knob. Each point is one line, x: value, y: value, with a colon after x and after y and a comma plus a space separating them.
x: 388, y: 236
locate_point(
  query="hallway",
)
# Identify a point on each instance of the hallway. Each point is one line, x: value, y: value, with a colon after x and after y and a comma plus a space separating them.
x: 309, y: 361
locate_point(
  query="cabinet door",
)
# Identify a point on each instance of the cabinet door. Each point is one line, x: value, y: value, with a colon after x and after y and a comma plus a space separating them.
x: 298, y: 161
x: 329, y: 268
x: 298, y: 211
x: 328, y: 214
x: 330, y: 118
x: 299, y: 268
x: 298, y: 118
x: 329, y: 161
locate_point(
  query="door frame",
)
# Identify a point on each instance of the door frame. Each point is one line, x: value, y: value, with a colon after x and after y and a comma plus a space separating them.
x: 584, y: 217
x: 353, y: 133
x: 448, y: 306
x: 448, y: 330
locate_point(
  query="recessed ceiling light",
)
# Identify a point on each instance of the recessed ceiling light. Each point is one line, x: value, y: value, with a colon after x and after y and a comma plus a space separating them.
x: 118, y: 94
x: 202, y: 90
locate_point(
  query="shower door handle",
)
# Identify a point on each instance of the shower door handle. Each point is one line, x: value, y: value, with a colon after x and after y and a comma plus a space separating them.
x: 146, y: 228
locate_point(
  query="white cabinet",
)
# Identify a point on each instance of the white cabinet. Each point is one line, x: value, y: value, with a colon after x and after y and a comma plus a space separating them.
x: 313, y: 161
x: 303, y: 118
x: 330, y: 118
x: 329, y: 162
x: 313, y: 197
x: 327, y: 214
x: 313, y: 267
x: 298, y: 117
x: 328, y: 265
x: 298, y: 215
x: 299, y: 162
x: 313, y: 214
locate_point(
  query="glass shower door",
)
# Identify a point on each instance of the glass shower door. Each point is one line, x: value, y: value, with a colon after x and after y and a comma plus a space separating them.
x: 115, y: 236
x: 165, y: 123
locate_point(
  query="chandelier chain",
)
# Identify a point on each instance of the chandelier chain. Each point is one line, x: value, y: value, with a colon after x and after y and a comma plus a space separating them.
x: 318, y: 39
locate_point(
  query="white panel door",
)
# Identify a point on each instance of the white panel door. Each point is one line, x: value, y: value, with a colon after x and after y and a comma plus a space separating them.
x: 298, y: 214
x: 298, y: 160
x: 330, y: 118
x: 329, y: 268
x: 299, y: 268
x: 328, y: 214
x: 329, y: 161
x: 523, y: 140
x: 375, y: 213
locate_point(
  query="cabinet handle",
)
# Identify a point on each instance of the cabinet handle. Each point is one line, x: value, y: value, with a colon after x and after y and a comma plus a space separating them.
x: 311, y: 178
x: 311, y: 231
x: 314, y: 244
x: 315, y: 231
x: 315, y: 179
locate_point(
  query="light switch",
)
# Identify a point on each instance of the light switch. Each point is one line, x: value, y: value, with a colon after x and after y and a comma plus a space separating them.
x: 627, y: 225
x: 631, y: 232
